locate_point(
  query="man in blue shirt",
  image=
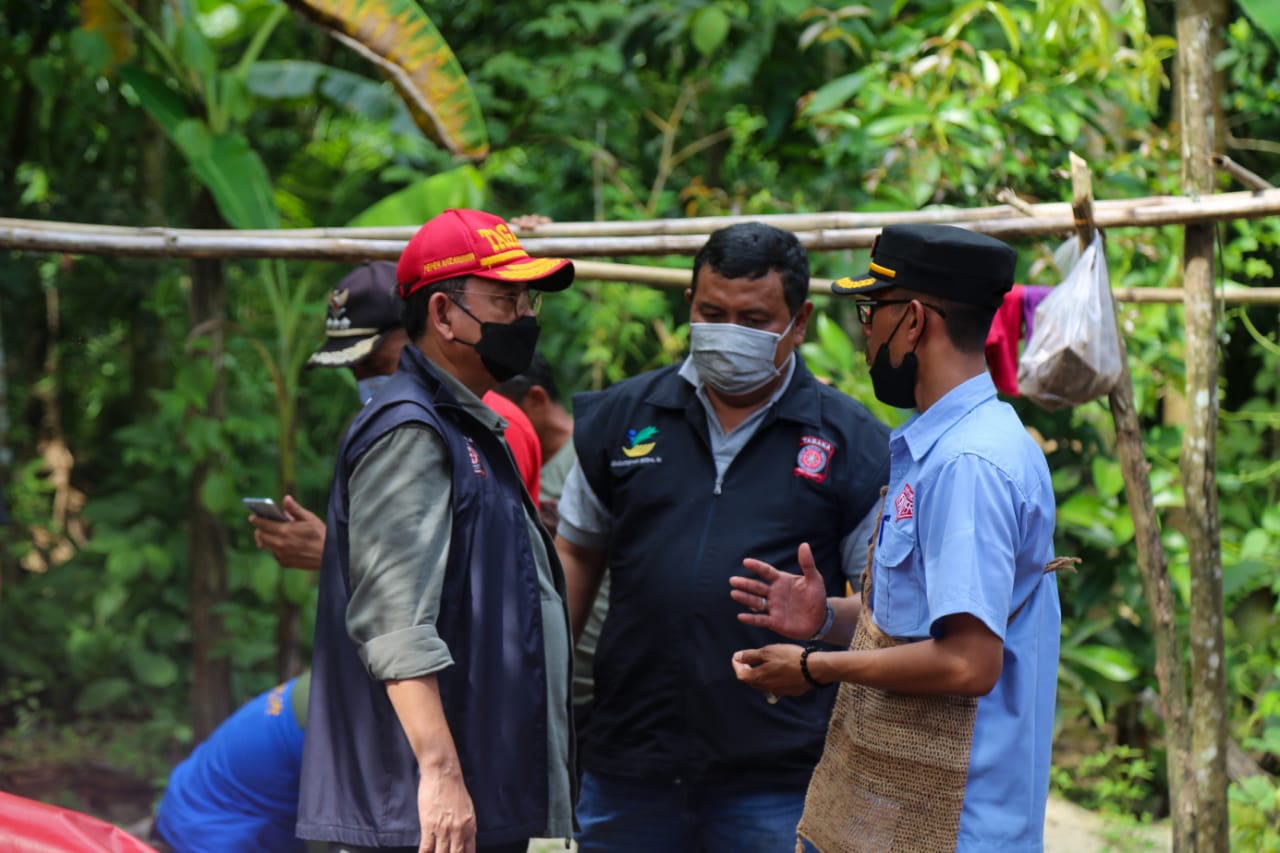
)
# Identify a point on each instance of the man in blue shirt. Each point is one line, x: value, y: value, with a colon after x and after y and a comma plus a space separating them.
x: 958, y: 582
x: 239, y: 789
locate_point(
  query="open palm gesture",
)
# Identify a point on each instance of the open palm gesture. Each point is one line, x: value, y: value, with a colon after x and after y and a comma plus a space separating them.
x: 794, y: 606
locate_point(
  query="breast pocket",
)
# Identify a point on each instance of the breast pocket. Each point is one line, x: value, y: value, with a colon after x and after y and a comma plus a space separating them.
x: 899, y: 598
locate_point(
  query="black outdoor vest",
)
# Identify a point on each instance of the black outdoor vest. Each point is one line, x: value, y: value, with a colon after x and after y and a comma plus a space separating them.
x: 667, y: 703
x: 359, y: 777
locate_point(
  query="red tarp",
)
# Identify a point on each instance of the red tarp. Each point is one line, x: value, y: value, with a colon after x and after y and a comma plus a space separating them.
x: 27, y: 826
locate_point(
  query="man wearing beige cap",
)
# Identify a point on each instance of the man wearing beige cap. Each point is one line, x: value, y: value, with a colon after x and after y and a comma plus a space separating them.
x: 439, y: 714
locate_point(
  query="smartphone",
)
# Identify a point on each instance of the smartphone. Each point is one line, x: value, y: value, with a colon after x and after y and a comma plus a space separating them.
x: 266, y: 508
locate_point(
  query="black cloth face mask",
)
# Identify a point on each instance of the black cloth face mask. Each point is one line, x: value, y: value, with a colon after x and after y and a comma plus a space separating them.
x: 895, y: 386
x: 506, y: 349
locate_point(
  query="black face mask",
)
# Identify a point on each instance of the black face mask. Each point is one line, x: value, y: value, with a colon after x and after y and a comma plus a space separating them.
x: 506, y: 349
x: 895, y: 386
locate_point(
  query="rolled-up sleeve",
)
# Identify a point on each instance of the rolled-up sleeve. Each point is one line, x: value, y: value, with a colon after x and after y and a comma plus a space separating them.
x: 399, y: 528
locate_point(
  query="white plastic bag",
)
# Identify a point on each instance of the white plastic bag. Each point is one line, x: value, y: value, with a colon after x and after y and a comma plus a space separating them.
x: 1074, y: 353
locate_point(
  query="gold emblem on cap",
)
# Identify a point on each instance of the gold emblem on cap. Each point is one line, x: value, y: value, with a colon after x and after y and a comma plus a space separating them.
x: 884, y: 271
x: 854, y: 283
x: 527, y: 270
x: 503, y: 257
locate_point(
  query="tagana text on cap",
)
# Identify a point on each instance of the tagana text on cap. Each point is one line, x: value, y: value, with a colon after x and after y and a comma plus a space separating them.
x: 942, y: 260
x: 363, y: 308
x: 471, y: 242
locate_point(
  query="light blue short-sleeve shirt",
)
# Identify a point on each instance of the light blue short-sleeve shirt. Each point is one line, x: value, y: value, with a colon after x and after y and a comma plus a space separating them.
x: 968, y: 528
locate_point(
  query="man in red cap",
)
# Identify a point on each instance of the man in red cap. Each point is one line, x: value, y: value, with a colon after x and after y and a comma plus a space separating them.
x: 363, y: 333
x: 439, y: 714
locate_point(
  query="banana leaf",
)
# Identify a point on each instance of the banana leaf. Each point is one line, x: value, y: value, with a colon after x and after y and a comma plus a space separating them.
x: 223, y: 162
x: 399, y: 38
x: 418, y: 202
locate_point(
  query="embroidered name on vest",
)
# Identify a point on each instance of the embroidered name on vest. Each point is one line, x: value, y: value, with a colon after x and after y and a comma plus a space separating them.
x: 474, y: 455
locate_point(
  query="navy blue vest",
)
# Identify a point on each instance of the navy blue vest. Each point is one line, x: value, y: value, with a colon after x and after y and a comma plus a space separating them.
x: 359, y: 776
x: 667, y: 703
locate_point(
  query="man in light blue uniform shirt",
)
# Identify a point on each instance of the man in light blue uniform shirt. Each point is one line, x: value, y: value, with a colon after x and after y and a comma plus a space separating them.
x: 960, y: 560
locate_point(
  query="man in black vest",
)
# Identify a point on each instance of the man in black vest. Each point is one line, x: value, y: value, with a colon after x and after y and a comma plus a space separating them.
x: 682, y: 474
x: 439, y: 718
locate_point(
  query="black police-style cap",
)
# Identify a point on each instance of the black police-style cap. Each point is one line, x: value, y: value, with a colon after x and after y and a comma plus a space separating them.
x: 942, y: 260
x: 363, y: 308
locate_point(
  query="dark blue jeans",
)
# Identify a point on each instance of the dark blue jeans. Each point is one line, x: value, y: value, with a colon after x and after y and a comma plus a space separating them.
x: 631, y: 816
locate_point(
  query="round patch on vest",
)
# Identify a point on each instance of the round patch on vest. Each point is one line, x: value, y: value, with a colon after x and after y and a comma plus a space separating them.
x: 813, y: 458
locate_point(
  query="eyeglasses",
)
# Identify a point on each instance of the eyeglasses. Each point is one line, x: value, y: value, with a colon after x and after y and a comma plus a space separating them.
x: 518, y: 304
x: 867, y: 307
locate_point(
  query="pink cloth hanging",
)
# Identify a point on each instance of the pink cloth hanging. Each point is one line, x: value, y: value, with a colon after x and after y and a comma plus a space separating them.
x: 1002, y: 342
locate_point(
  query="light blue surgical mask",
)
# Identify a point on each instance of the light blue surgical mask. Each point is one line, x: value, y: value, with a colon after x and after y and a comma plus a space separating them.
x: 366, y: 388
x: 735, y: 359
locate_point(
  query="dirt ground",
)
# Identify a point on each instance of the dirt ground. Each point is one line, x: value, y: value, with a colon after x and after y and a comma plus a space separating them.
x: 1071, y: 829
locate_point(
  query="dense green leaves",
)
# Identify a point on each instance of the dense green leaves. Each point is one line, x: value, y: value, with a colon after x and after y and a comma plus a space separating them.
x: 1265, y: 14
x: 232, y: 171
x: 418, y: 202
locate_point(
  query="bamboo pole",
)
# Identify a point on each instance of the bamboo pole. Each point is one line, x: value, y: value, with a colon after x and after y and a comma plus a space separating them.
x: 1195, y: 98
x: 817, y: 232
x: 1170, y: 295
x: 1250, y: 179
x: 1153, y: 566
x: 72, y: 238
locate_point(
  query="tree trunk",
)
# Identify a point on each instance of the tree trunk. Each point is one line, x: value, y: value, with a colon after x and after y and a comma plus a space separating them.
x: 1199, y: 442
x: 1154, y: 570
x: 151, y: 367
x: 207, y: 538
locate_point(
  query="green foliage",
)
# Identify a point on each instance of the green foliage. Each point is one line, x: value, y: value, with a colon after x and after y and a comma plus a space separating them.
x: 421, y: 200
x: 599, y: 335
x: 1255, y: 814
x: 1116, y: 780
x: 945, y: 104
x: 1265, y: 14
x: 198, y: 110
x: 830, y: 353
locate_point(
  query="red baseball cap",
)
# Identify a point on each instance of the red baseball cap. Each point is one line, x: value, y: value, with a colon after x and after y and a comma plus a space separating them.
x: 472, y: 242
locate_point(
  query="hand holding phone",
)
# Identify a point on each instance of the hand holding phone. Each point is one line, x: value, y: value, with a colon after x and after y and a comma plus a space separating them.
x: 297, y: 545
x: 265, y: 508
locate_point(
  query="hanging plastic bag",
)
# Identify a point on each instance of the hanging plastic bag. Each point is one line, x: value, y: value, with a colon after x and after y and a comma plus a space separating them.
x: 1074, y: 353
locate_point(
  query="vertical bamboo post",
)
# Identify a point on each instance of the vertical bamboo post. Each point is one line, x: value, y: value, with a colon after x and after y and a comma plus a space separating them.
x: 1196, y: 97
x: 1152, y: 564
